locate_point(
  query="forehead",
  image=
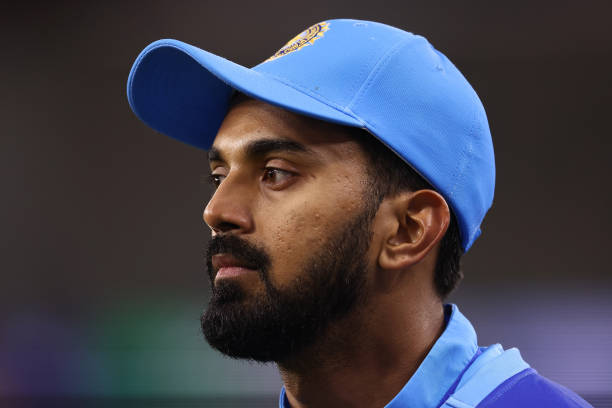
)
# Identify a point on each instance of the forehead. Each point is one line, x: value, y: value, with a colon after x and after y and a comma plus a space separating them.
x: 249, y: 120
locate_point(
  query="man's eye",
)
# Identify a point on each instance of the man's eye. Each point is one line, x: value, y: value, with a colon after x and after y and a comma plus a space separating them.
x: 216, y: 179
x: 273, y: 175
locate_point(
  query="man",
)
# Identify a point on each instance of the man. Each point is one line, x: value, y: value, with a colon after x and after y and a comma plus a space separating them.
x: 352, y: 169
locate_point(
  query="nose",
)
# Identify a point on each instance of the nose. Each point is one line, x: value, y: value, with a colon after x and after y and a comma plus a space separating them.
x: 229, y: 209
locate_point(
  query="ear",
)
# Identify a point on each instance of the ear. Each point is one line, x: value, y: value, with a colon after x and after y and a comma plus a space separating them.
x: 420, y: 220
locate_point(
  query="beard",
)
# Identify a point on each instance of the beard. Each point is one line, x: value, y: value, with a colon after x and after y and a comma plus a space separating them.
x: 280, y: 323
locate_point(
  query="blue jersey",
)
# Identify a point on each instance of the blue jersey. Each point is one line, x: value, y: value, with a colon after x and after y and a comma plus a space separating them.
x: 456, y: 373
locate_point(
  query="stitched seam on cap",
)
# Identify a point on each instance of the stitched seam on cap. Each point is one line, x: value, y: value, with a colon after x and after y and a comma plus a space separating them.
x: 356, y: 86
x: 459, y: 174
x: 382, y: 62
x: 313, y: 94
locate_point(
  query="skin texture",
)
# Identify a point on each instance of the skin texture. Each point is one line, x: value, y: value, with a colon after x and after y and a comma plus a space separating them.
x: 290, y: 202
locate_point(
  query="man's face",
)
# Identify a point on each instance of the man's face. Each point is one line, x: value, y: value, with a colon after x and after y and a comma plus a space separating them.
x: 291, y: 232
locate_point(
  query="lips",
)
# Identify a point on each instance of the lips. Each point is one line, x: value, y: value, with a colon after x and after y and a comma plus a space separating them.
x: 228, y: 266
x: 230, y: 255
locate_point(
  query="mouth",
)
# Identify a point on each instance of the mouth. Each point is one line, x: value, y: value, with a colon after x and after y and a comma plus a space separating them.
x: 226, y: 266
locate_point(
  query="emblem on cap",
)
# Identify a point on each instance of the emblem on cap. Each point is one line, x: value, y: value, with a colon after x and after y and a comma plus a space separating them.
x: 303, y: 39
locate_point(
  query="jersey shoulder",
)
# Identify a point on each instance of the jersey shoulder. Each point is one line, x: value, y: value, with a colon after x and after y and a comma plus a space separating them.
x: 528, y: 389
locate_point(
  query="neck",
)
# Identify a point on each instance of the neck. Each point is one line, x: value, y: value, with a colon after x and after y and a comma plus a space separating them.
x: 365, y: 359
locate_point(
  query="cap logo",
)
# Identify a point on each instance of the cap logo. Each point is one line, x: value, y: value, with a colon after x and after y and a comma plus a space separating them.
x: 303, y: 39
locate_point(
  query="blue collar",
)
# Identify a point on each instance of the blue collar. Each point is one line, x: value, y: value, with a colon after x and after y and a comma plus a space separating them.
x: 440, y: 371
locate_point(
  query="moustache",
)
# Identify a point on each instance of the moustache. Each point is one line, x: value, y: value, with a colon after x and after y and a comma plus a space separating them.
x: 244, y: 252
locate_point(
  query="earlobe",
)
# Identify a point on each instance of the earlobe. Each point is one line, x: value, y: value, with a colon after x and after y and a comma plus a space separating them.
x: 421, y: 219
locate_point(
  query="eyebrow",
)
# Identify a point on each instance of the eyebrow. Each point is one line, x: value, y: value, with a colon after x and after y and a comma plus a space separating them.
x: 262, y: 147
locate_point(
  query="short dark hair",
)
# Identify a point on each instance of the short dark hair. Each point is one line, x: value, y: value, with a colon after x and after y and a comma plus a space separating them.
x: 390, y: 175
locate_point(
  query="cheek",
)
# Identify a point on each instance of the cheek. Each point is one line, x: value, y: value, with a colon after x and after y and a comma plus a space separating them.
x: 295, y: 234
x: 299, y: 225
x: 300, y: 229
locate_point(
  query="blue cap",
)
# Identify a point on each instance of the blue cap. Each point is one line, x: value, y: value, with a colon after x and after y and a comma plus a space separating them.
x: 355, y: 73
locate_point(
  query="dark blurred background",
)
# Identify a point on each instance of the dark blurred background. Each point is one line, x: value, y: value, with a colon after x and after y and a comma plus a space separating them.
x: 102, y: 239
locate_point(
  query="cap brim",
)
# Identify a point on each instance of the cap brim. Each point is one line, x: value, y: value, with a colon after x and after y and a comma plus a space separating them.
x: 183, y: 92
